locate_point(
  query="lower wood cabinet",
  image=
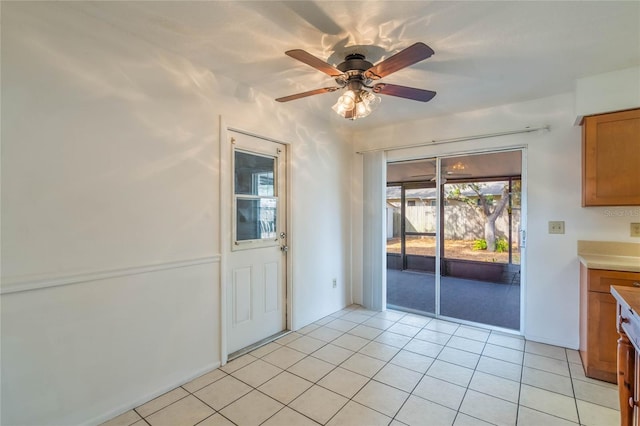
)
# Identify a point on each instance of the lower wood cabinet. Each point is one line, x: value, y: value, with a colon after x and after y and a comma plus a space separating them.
x: 628, y: 322
x: 598, y: 333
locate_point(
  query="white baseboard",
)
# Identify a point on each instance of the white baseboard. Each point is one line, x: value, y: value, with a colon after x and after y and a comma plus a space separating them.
x: 562, y: 344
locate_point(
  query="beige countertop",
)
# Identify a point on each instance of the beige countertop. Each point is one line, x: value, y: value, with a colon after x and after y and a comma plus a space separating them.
x: 609, y: 255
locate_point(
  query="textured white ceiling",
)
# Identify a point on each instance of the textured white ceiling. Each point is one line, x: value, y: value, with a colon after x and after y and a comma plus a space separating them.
x: 486, y: 53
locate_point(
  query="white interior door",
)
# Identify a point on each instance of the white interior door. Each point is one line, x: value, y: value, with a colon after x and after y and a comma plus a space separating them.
x: 256, y: 279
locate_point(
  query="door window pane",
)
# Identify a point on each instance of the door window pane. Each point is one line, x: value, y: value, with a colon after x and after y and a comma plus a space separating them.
x: 255, y: 219
x: 394, y: 227
x: 516, y: 214
x: 255, y: 197
x: 420, y: 221
x: 254, y: 174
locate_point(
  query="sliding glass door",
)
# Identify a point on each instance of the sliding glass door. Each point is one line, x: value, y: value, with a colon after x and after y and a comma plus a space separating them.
x: 411, y: 246
x: 467, y: 222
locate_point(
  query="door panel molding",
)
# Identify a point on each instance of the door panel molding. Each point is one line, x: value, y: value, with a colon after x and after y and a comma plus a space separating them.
x: 242, y: 311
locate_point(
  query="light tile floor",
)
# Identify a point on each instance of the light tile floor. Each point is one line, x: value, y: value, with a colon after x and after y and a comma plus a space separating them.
x: 359, y: 367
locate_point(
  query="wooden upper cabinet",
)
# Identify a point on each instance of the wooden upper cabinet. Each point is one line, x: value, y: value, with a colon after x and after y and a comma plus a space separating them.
x: 611, y: 159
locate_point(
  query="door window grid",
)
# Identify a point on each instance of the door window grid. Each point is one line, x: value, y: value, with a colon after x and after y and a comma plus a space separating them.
x: 255, y: 198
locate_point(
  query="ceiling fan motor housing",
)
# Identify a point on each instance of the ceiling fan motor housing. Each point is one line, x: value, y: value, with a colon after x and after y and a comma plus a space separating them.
x: 354, y: 62
x: 354, y: 66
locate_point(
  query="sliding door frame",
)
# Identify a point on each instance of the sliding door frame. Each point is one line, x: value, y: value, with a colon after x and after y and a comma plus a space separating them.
x: 440, y: 232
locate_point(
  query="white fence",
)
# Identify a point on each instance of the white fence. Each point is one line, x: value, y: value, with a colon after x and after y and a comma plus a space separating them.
x: 461, y: 222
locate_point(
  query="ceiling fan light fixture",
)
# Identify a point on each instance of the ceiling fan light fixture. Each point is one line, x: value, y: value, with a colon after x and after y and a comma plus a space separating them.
x: 362, y: 110
x: 356, y: 104
x: 458, y: 166
x: 345, y: 103
x: 371, y: 100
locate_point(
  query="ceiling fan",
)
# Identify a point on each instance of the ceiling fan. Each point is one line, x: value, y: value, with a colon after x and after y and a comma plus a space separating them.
x: 457, y: 172
x: 357, y: 75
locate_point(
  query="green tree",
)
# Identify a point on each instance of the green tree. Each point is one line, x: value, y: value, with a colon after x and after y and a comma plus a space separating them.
x: 490, y: 211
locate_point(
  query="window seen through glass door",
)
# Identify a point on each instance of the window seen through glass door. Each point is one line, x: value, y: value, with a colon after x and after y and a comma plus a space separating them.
x: 255, y: 197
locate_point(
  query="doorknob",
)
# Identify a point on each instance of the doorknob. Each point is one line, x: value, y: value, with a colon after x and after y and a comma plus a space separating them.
x: 284, y: 249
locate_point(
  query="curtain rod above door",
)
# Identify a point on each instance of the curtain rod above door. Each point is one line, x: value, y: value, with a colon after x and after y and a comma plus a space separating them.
x: 460, y: 139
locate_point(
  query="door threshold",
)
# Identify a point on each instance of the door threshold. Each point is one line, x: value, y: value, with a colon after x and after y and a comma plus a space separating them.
x: 256, y: 345
x: 411, y: 311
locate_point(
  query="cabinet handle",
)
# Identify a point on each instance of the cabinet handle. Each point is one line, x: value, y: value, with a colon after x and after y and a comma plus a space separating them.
x: 632, y: 403
x: 636, y: 284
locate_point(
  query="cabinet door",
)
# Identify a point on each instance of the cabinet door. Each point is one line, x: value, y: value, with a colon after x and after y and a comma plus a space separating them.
x: 603, y: 337
x: 610, y: 158
x: 602, y: 280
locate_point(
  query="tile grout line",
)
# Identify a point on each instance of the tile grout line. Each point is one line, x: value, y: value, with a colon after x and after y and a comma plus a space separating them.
x: 423, y: 374
x: 316, y: 383
x: 393, y: 418
x: 286, y: 370
x: 369, y: 379
x: 283, y: 370
x: 159, y: 409
x: 573, y: 388
x: 524, y: 349
x: 227, y: 374
x: 466, y: 390
x: 385, y: 364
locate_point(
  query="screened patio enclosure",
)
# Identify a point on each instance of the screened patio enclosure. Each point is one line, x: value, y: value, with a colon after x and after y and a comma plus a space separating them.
x: 453, y: 246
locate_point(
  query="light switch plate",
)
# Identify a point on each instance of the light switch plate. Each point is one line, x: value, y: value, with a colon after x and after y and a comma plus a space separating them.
x: 556, y: 226
x: 635, y: 229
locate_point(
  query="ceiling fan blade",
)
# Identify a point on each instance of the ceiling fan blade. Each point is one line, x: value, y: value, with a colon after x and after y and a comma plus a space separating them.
x: 309, y: 93
x: 409, y: 56
x: 404, y: 92
x: 314, y: 62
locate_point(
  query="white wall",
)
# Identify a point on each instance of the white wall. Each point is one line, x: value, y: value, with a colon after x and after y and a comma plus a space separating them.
x: 608, y: 92
x: 553, y: 191
x: 72, y: 354
x: 320, y: 239
x: 110, y: 215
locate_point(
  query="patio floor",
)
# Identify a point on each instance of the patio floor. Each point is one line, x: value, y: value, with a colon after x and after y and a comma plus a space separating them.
x: 470, y: 300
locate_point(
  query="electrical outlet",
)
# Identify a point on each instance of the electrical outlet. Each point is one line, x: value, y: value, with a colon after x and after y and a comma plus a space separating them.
x: 635, y: 229
x: 556, y: 226
x: 335, y: 282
